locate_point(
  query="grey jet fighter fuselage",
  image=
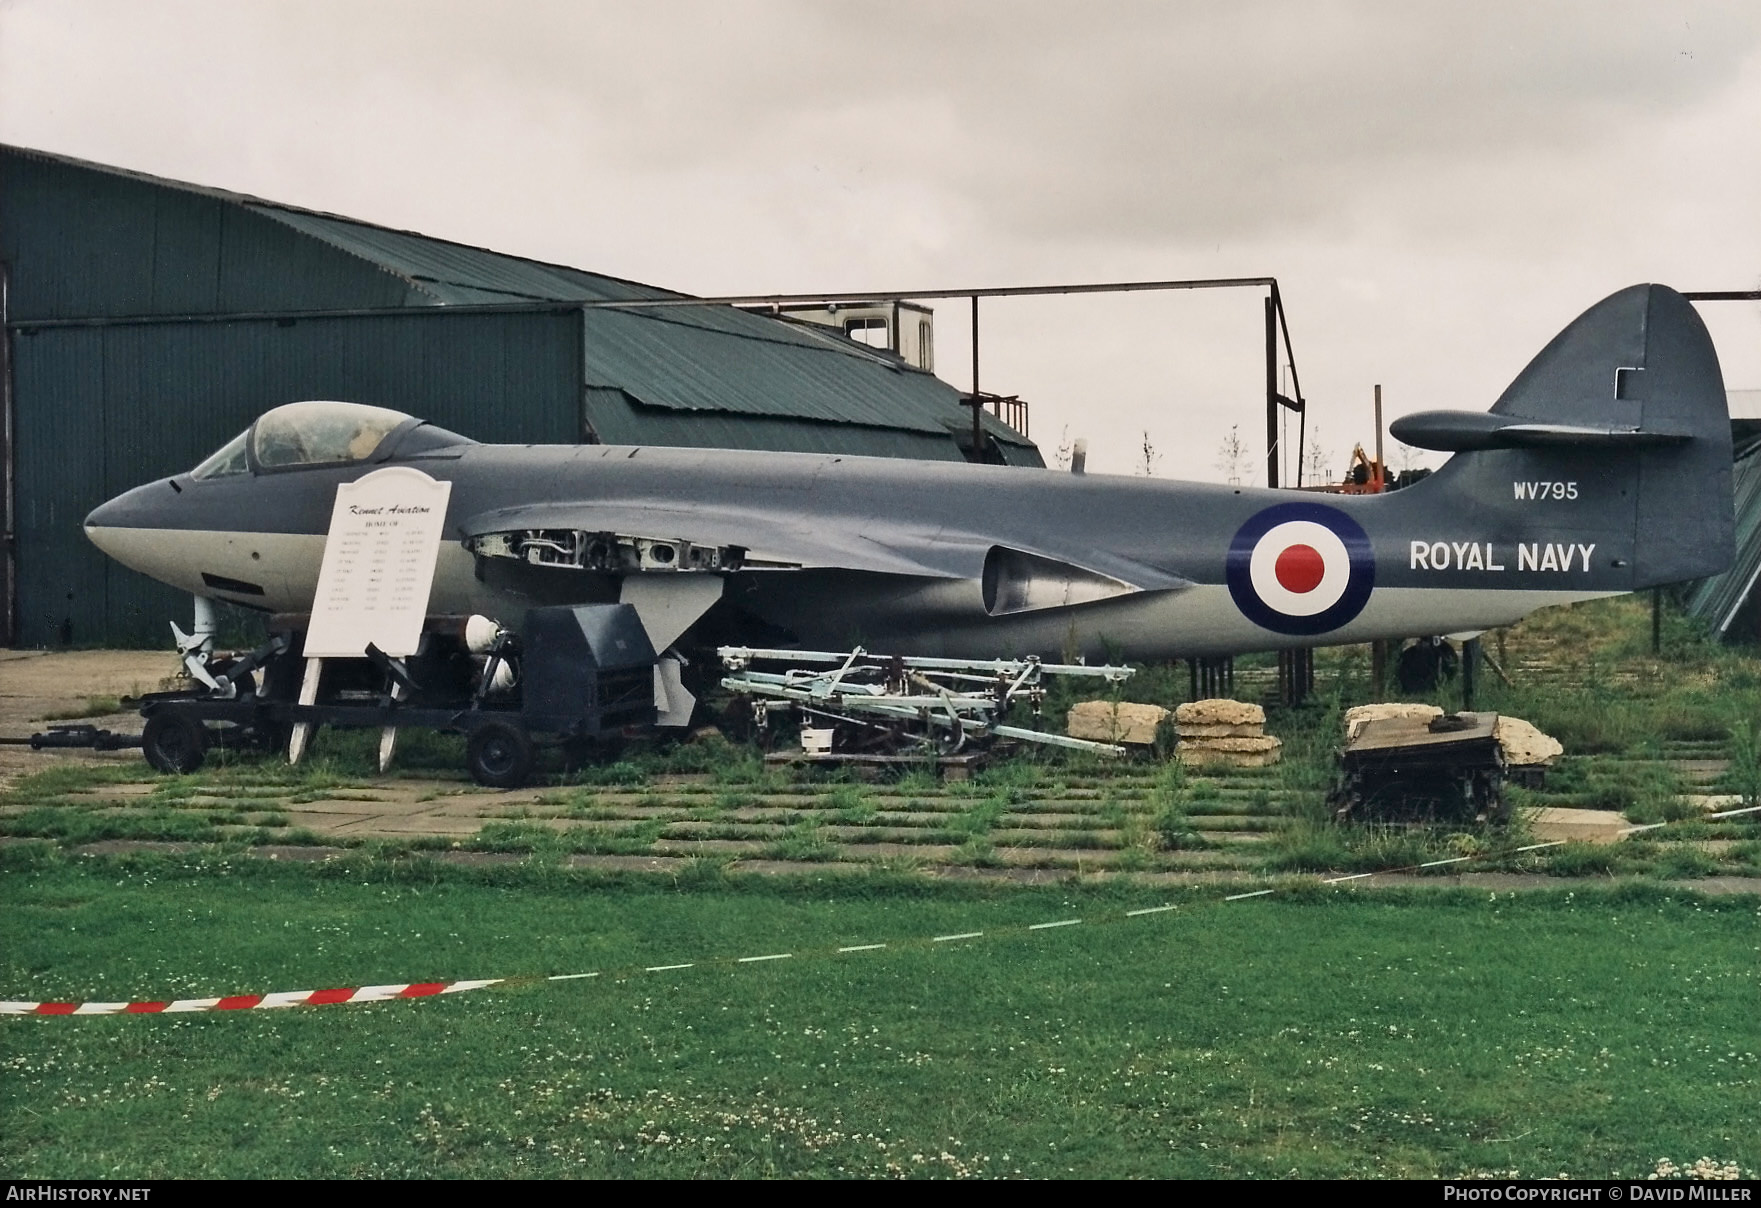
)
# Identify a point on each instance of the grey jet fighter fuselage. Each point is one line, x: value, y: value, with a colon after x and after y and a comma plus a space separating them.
x: 1604, y: 468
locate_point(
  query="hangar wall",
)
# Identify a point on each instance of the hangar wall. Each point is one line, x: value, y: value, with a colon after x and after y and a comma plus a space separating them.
x: 113, y: 405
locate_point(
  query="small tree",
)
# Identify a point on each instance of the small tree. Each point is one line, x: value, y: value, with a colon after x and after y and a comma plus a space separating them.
x: 1233, y: 457
x: 1315, y: 460
x: 1406, y: 458
x: 1061, y: 458
x: 1151, y: 458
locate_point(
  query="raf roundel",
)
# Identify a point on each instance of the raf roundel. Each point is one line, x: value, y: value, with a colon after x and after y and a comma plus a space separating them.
x: 1300, y: 568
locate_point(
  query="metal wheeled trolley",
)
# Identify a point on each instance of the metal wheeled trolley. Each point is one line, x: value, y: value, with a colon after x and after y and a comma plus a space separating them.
x: 569, y: 676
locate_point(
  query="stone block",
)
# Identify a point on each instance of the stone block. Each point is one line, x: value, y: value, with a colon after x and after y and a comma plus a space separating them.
x: 1248, y: 731
x: 1356, y: 717
x: 1107, y: 721
x: 1219, y: 713
x: 1523, y: 744
x: 1233, y: 746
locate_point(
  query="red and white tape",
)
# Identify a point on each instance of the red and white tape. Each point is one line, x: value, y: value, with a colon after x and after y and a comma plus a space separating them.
x: 250, y: 1002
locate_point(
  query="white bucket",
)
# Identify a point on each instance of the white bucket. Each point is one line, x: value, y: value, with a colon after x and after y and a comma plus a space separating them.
x: 816, y: 742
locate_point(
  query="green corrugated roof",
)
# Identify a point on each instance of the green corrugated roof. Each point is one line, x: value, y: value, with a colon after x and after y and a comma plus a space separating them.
x: 455, y: 273
x: 1718, y: 600
x: 689, y: 362
x: 687, y: 359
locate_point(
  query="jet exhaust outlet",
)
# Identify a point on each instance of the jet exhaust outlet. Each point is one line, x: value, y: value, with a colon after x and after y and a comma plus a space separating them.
x: 1015, y: 581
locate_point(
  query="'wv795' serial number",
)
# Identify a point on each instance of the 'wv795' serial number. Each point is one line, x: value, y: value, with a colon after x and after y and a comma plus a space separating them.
x: 1546, y: 490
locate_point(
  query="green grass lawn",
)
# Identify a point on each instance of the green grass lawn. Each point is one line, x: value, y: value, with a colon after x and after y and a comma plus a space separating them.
x: 1313, y: 1034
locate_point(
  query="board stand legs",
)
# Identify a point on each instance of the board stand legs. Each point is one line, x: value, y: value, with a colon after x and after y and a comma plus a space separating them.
x: 302, y: 730
x: 388, y: 735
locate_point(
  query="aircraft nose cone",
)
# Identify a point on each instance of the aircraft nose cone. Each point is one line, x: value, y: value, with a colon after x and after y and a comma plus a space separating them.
x: 142, y: 508
x: 105, y: 515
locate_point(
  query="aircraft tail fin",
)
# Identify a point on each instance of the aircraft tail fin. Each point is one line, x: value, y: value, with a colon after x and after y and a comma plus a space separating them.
x: 1619, y: 426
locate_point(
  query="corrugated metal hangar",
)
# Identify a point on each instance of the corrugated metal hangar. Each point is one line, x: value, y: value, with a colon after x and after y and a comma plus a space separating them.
x: 148, y: 321
x: 1729, y: 604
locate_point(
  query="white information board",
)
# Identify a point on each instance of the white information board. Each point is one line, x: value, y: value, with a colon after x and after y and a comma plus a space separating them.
x: 378, y: 567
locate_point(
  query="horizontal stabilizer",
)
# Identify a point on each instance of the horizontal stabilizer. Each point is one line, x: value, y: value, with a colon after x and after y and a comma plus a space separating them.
x: 1466, y: 431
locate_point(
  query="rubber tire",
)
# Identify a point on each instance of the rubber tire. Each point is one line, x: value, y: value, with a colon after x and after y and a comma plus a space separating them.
x: 174, y: 742
x: 499, y: 756
x: 246, y: 683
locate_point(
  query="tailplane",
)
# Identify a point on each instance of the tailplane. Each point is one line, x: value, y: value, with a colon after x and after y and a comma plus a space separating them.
x: 1618, y: 430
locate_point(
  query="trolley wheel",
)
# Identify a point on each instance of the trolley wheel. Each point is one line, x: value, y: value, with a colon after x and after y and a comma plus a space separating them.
x: 246, y: 684
x: 949, y: 741
x: 499, y: 755
x: 173, y: 742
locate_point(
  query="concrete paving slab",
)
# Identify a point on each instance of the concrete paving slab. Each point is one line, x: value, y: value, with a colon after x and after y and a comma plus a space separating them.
x: 685, y: 828
x: 342, y: 809
x: 1103, y: 837
x: 389, y: 826
x: 117, y: 790
x: 1060, y: 856
x: 1239, y: 837
x: 119, y: 847
x: 865, y: 835
x: 912, y: 851
x: 798, y: 868
x: 1714, y: 801
x: 295, y: 853
x: 667, y: 864
x: 1550, y: 823
x: 323, y: 824
x: 709, y: 847
x: 386, y: 809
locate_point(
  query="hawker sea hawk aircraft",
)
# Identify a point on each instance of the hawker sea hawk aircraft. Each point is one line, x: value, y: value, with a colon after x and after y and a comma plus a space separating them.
x: 1604, y: 468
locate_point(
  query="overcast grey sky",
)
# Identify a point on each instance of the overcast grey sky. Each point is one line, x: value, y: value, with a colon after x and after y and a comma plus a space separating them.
x: 1438, y: 187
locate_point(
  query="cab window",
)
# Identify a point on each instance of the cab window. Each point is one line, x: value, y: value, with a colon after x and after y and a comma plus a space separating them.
x: 314, y: 434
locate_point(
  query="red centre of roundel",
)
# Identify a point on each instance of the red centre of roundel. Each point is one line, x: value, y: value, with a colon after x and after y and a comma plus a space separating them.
x: 1300, y: 569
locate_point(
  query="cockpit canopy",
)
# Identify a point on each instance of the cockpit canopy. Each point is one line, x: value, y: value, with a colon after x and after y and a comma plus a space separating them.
x: 314, y: 434
x: 305, y: 434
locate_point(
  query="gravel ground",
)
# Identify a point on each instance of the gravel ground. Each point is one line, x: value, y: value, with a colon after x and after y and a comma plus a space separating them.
x: 36, y: 685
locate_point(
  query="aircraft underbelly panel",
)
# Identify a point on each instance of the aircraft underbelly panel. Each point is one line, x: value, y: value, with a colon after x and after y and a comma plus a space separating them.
x: 948, y: 618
